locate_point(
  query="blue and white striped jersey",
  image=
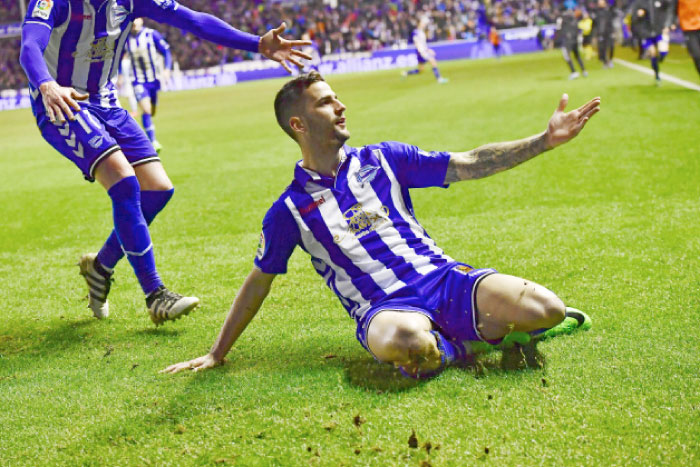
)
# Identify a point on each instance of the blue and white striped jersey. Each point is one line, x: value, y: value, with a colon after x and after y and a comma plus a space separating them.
x: 143, y: 49
x: 358, y: 227
x: 420, y: 41
x: 87, y: 40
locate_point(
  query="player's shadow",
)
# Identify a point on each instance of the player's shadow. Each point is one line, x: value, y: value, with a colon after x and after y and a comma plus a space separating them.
x: 63, y: 335
x: 369, y: 374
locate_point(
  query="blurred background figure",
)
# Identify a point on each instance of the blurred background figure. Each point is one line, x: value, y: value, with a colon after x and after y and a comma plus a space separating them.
x: 605, y: 30
x: 144, y: 48
x: 652, y: 17
x: 689, y: 19
x: 423, y: 53
x: 567, y: 38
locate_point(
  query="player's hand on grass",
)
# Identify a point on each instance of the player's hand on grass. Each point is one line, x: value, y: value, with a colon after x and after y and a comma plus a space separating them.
x: 201, y: 363
x: 564, y: 126
x: 60, y: 101
x: 273, y: 46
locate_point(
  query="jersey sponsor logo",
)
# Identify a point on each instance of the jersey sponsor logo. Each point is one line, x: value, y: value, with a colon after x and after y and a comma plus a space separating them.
x: 361, y: 222
x: 42, y: 9
x: 99, y: 51
x: 96, y: 141
x: 366, y: 174
x: 80, y: 17
x: 261, y: 246
x: 311, y: 206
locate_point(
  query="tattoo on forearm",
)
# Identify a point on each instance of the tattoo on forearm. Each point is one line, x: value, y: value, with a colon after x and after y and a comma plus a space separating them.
x: 493, y: 158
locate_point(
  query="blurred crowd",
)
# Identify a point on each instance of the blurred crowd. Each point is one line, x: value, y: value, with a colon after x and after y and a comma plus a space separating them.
x: 334, y: 26
x: 352, y: 25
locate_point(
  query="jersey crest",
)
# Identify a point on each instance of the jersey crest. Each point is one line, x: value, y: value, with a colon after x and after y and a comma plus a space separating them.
x: 99, y: 51
x: 361, y: 222
x: 366, y: 174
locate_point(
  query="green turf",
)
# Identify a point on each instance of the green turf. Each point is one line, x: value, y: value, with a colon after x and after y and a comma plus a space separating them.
x: 609, y: 222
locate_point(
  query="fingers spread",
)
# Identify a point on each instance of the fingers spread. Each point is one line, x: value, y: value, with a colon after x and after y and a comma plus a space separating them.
x: 591, y: 113
x: 280, y: 29
x: 59, y: 115
x: 66, y: 108
x: 78, y: 96
x: 563, y: 102
x: 300, y: 43
x: 296, y: 62
x: 585, y: 108
x: 301, y: 54
x: 74, y: 105
x: 50, y: 114
x: 285, y: 66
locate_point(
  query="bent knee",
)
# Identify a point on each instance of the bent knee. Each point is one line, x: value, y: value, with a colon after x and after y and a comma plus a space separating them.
x: 546, y: 308
x: 398, y: 338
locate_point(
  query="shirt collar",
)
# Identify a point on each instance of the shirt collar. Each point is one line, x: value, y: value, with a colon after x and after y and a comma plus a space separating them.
x: 304, y: 176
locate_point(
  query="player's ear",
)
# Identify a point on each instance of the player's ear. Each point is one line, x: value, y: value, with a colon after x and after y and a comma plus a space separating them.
x: 297, y: 125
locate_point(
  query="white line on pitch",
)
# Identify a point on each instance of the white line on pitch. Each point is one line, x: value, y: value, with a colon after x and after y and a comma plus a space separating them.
x: 664, y: 76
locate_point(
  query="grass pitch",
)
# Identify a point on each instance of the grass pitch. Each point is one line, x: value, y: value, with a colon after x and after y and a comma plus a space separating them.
x: 609, y: 222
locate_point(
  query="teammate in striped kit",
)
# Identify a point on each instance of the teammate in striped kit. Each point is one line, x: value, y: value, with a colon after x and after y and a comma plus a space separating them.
x: 350, y: 209
x: 143, y: 47
x: 423, y: 53
x: 70, y: 52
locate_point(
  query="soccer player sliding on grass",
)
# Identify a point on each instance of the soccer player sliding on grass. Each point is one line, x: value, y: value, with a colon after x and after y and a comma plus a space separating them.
x: 350, y: 209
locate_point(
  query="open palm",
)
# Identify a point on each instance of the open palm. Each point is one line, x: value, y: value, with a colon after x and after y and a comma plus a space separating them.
x: 564, y: 126
x: 275, y: 47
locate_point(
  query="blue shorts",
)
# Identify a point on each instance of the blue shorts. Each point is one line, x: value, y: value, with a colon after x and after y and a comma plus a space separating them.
x: 648, y: 42
x: 147, y: 90
x: 447, y: 296
x: 96, y: 133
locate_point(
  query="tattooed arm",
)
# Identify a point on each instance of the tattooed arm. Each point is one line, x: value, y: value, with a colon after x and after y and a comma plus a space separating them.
x: 496, y: 157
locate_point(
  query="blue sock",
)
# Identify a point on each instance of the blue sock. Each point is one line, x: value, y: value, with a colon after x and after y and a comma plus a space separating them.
x: 436, y: 72
x: 148, y: 126
x: 132, y: 232
x: 655, y: 66
x: 152, y: 202
x: 415, y: 71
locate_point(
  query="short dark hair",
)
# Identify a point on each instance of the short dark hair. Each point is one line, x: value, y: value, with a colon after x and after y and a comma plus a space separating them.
x: 289, y: 97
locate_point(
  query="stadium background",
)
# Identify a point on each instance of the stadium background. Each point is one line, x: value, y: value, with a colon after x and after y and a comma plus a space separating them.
x: 608, y: 221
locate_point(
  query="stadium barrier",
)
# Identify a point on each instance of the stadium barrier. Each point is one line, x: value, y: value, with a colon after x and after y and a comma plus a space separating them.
x: 517, y: 40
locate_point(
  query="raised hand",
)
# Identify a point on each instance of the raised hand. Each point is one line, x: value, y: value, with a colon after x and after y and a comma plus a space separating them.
x: 273, y: 46
x: 564, y: 126
x: 201, y: 363
x: 60, y: 101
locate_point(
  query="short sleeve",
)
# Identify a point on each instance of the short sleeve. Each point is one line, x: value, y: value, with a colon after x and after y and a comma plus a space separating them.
x: 280, y: 235
x: 415, y: 168
x: 46, y: 12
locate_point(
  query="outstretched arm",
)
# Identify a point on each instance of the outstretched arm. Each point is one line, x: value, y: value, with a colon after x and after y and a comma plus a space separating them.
x: 496, y: 157
x: 272, y: 45
x: 245, y: 306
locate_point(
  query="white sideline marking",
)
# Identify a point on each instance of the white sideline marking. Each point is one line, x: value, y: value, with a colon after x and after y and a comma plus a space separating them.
x: 664, y: 76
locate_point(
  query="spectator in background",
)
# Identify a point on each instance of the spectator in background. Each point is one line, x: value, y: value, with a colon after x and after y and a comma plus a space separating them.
x: 567, y: 37
x: 604, y: 17
x: 689, y: 19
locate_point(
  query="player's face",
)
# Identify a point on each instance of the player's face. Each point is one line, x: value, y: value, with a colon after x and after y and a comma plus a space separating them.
x: 324, y: 114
